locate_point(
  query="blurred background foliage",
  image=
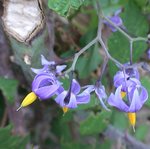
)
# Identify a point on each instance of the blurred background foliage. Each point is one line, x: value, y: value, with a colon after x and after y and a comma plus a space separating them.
x: 69, y: 26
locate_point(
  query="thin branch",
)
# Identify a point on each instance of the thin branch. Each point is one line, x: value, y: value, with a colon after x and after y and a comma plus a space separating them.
x: 131, y: 51
x: 123, y: 32
x: 72, y: 68
x: 108, y: 55
x: 105, y: 61
x: 99, y: 35
x: 100, y: 40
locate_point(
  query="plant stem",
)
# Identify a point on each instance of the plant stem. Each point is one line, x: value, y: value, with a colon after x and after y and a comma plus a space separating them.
x: 105, y: 61
x: 131, y: 51
x: 100, y: 40
x: 108, y: 55
x: 99, y: 36
x: 123, y: 32
x: 72, y: 68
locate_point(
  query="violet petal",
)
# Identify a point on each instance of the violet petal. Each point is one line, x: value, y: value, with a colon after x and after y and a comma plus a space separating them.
x: 116, y: 100
x: 75, y: 87
x: 73, y: 102
x: 83, y: 98
x: 44, y: 61
x: 60, y: 98
x: 60, y: 68
x: 46, y: 92
x: 89, y: 88
x: 135, y: 103
x: 40, y: 78
x: 45, y: 69
x: 101, y: 94
x: 143, y: 95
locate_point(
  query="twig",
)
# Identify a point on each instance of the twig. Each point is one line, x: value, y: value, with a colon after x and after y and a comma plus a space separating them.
x: 131, y: 51
x: 72, y: 68
x: 105, y: 61
x: 99, y: 36
x: 123, y: 32
x: 108, y: 55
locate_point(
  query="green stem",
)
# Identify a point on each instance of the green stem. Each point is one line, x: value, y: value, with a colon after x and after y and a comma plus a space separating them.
x: 72, y: 68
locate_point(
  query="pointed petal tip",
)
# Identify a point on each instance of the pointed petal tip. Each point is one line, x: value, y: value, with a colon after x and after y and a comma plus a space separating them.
x: 65, y: 110
x: 132, y: 120
x: 19, y: 108
x: 133, y: 127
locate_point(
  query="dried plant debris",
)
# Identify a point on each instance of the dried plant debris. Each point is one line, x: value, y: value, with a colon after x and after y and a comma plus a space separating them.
x: 23, y: 19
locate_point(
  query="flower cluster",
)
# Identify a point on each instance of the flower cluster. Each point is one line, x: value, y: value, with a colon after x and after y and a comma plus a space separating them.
x: 130, y: 95
x: 46, y: 84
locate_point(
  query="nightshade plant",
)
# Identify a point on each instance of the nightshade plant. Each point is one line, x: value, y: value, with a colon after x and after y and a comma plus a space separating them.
x: 129, y: 96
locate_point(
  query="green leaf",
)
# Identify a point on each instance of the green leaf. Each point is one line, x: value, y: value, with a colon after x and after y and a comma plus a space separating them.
x: 94, y: 124
x: 122, y: 53
x: 119, y: 52
x: 66, y: 83
x: 89, y: 62
x: 60, y: 127
x: 136, y: 27
x: 144, y: 5
x: 109, y: 7
x: 115, y: 42
x: 141, y: 132
x: 66, y: 117
x: 11, y: 142
x: 64, y: 7
x: 119, y: 120
x: 91, y: 58
x: 9, y: 88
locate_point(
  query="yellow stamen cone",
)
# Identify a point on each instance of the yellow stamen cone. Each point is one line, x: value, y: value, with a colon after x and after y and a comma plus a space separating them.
x: 65, y: 109
x: 123, y: 94
x: 30, y: 98
x: 132, y: 119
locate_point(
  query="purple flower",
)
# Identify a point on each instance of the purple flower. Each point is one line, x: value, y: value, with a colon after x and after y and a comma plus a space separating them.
x: 127, y: 80
x: 99, y: 89
x: 129, y: 86
x: 49, y: 67
x: 116, y: 20
x: 136, y: 98
x: 45, y: 85
x: 72, y: 98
